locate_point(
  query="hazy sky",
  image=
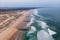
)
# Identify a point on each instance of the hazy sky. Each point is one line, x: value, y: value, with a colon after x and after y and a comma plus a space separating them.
x: 27, y: 3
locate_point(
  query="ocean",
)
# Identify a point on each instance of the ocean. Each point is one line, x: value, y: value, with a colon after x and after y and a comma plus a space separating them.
x: 44, y: 24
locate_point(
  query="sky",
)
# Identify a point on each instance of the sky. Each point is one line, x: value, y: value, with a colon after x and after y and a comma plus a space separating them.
x: 29, y: 3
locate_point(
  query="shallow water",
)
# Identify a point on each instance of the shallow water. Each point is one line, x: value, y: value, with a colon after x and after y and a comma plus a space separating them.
x: 43, y: 26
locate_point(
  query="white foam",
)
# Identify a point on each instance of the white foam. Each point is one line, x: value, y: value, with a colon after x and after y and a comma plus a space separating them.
x: 32, y: 30
x: 31, y: 21
x: 51, y: 32
x: 43, y: 35
x: 35, y: 12
x: 42, y: 24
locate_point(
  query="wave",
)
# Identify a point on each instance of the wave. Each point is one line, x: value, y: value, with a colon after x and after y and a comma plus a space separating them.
x: 35, y: 12
x: 44, y: 33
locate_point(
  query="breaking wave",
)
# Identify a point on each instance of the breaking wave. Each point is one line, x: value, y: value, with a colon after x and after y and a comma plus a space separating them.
x: 39, y: 27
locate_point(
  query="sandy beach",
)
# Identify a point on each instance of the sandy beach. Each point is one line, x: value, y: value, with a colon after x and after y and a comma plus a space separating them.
x: 12, y: 29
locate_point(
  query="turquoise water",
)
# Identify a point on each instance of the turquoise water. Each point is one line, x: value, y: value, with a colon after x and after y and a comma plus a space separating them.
x: 44, y: 24
x: 52, y: 17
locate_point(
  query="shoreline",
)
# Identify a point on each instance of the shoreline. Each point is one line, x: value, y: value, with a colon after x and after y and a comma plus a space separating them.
x: 12, y: 29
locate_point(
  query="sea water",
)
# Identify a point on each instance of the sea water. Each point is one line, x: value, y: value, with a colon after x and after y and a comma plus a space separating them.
x: 44, y: 24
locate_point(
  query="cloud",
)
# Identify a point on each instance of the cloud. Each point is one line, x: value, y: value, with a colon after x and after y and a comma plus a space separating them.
x: 29, y: 2
x: 18, y: 1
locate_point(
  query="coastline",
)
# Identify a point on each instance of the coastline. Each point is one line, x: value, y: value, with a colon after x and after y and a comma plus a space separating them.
x: 12, y: 29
